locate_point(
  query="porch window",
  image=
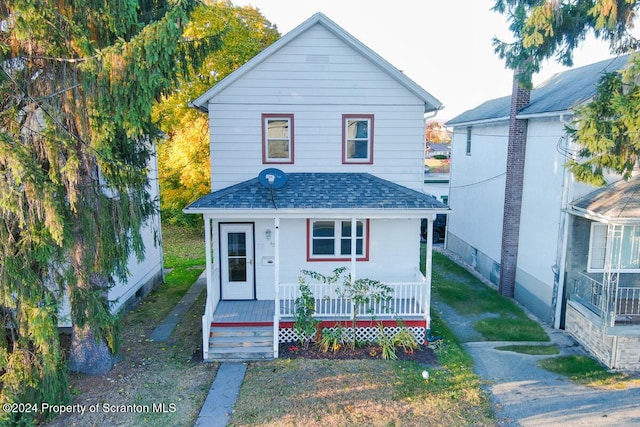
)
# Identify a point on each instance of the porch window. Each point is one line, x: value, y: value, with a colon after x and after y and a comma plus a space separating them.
x: 277, y: 138
x: 357, y: 138
x: 330, y: 240
x: 623, y: 244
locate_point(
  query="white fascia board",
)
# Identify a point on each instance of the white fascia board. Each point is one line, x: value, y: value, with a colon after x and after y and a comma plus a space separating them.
x: 480, y: 122
x: 431, y: 103
x: 318, y: 213
x: 545, y: 115
x: 592, y: 216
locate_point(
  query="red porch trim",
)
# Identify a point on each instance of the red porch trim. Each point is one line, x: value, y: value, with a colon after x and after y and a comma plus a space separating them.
x: 363, y: 323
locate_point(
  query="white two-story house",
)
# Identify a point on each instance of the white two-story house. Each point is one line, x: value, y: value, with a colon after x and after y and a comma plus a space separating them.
x: 578, y: 262
x: 317, y: 155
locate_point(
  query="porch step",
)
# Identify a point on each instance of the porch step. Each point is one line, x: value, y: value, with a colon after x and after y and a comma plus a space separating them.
x: 241, y: 343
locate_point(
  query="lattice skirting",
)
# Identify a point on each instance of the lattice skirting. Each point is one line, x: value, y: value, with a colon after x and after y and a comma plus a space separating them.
x: 367, y: 334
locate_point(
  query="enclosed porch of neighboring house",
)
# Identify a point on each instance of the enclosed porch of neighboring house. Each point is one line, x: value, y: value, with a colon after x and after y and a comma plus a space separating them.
x: 603, y: 274
x: 255, y: 255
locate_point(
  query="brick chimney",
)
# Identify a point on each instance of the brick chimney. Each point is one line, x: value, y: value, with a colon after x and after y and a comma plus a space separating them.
x: 516, y: 150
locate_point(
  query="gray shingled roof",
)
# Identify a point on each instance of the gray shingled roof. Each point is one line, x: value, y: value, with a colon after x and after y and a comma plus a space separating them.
x: 616, y: 203
x: 319, y: 191
x: 560, y: 93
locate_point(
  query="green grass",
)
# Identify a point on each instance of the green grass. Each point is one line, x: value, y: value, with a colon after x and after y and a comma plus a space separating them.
x: 508, y: 328
x: 182, y: 247
x: 456, y: 287
x: 579, y: 368
x: 183, y: 250
x: 328, y: 393
x: 534, y: 350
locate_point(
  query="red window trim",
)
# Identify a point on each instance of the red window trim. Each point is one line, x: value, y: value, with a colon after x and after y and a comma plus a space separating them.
x: 346, y: 161
x: 265, y: 160
x: 310, y: 258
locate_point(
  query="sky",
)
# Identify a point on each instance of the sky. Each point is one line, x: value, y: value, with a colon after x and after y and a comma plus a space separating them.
x: 443, y: 45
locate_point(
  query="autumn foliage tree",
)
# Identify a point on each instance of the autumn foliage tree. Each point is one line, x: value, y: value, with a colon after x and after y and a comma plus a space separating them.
x: 77, y: 84
x: 184, y: 154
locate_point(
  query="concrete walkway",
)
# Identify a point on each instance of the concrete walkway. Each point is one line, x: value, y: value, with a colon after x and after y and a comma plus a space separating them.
x: 163, y: 331
x: 218, y: 406
x: 522, y: 394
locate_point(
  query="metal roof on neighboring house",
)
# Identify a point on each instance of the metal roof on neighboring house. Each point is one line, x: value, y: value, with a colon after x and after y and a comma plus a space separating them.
x: 617, y: 203
x: 319, y: 191
x: 560, y: 93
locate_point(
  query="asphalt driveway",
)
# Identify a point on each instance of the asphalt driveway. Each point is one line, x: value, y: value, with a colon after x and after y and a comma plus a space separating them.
x: 525, y: 395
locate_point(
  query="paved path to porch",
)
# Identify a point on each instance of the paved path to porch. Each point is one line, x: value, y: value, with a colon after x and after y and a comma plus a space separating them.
x: 163, y: 331
x: 218, y: 406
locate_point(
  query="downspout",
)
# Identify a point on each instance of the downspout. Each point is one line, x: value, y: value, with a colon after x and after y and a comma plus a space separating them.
x: 559, y: 270
x: 427, y: 270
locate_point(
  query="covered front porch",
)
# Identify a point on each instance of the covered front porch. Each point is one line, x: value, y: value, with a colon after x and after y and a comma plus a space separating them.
x: 603, y: 274
x: 258, y: 240
x: 409, y: 303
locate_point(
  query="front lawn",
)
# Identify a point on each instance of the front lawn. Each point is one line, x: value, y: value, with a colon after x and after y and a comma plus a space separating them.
x: 365, y: 392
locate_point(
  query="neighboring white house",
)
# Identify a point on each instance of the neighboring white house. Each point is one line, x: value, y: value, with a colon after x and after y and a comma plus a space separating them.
x: 549, y: 227
x: 144, y: 275
x: 317, y: 155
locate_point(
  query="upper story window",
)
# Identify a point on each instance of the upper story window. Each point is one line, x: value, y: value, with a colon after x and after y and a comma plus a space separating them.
x: 277, y: 138
x: 617, y: 249
x: 357, y: 138
x: 468, y: 140
x: 331, y: 240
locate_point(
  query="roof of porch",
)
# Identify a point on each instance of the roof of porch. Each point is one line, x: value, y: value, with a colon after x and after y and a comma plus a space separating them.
x: 319, y: 191
x: 617, y: 203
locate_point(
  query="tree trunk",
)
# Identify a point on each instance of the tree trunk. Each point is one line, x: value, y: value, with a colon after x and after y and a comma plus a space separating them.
x: 88, y: 356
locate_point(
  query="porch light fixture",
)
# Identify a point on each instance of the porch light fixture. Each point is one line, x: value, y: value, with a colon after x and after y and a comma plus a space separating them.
x: 267, y: 234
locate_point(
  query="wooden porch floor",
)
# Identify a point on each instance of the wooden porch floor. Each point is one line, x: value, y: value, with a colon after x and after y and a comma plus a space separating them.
x: 262, y: 312
x: 244, y: 312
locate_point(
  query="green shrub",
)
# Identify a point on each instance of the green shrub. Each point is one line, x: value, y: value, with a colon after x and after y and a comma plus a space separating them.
x: 331, y: 339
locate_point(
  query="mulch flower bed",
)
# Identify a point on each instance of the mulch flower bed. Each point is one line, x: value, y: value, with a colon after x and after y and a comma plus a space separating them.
x: 422, y: 354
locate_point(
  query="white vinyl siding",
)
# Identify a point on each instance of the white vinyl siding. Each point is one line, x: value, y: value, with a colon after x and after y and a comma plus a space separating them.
x: 318, y: 84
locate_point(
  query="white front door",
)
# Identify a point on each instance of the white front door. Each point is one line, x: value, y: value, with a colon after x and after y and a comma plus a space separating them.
x: 236, y: 259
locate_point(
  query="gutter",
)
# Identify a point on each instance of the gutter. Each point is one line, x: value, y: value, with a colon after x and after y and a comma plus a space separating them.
x: 197, y: 107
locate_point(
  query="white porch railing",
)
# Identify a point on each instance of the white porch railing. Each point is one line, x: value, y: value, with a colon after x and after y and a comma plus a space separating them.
x: 623, y: 301
x: 407, y: 299
x: 628, y: 301
x: 211, y: 302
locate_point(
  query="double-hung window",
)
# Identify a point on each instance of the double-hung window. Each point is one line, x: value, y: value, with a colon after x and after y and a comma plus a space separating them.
x: 330, y: 240
x: 357, y: 138
x: 277, y: 138
x: 617, y: 249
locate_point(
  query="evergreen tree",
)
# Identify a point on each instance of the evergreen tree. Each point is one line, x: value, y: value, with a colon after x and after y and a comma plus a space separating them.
x: 183, y: 157
x: 606, y: 130
x: 78, y: 80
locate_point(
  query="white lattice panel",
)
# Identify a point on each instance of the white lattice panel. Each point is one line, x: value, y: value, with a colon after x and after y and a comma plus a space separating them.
x: 362, y: 334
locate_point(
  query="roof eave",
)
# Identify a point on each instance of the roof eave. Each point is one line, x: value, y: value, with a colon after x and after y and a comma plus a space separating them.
x: 487, y: 121
x: 431, y: 103
x: 545, y: 114
x: 413, y: 213
x: 594, y: 216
